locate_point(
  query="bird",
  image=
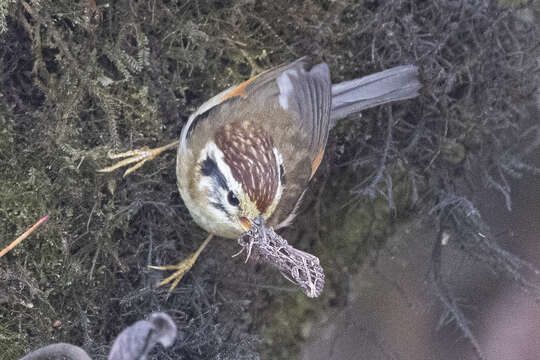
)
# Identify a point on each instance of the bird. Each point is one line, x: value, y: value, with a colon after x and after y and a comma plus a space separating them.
x: 251, y: 151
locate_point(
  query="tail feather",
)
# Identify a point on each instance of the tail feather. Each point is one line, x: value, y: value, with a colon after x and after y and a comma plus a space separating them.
x: 398, y: 83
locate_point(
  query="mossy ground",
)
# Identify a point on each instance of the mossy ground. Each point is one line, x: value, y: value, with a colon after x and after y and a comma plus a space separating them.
x: 81, y: 78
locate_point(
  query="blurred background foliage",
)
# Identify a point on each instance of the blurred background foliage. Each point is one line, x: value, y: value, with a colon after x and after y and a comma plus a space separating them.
x: 81, y: 78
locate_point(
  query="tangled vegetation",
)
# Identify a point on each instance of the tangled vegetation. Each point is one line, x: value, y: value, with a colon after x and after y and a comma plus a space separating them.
x: 81, y: 78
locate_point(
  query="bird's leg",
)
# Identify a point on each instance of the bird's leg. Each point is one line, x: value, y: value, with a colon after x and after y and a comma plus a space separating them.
x: 137, y: 156
x: 182, y: 267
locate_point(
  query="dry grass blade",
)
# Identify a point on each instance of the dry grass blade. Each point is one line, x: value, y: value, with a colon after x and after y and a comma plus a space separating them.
x: 22, y: 237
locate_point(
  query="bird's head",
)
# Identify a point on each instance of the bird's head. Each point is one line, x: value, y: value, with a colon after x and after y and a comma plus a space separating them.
x: 236, y: 178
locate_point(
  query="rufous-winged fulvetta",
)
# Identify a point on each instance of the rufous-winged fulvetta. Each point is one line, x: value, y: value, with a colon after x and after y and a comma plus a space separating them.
x: 251, y: 150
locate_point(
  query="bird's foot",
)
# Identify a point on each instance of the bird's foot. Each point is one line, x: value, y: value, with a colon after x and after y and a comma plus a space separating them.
x: 181, y: 269
x: 137, y: 157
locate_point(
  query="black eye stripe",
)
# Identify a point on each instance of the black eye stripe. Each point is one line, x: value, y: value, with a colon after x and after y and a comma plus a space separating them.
x: 220, y: 206
x: 210, y: 168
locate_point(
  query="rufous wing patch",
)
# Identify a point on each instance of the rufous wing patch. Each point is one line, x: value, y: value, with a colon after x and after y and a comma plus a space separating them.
x: 239, y: 90
x: 316, y: 162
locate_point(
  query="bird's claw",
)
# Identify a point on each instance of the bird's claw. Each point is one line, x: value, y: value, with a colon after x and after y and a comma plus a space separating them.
x: 138, y: 157
x: 181, y: 269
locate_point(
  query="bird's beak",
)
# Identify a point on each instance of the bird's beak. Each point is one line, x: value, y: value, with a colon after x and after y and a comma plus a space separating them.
x: 246, y: 223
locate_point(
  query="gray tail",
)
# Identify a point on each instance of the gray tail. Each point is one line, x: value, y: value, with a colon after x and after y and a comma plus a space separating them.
x: 398, y: 83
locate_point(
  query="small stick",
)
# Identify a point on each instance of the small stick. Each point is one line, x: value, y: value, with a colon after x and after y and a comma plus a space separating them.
x: 22, y: 237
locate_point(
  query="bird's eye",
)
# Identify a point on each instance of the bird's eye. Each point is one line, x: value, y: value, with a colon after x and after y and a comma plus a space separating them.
x: 233, y: 200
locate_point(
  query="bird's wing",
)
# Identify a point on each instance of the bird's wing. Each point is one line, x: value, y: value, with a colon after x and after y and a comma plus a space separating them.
x: 305, y: 94
x: 308, y: 94
x: 240, y: 90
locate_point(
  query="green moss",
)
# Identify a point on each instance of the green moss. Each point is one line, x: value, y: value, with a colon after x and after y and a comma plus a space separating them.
x: 14, y: 346
x: 281, y: 334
